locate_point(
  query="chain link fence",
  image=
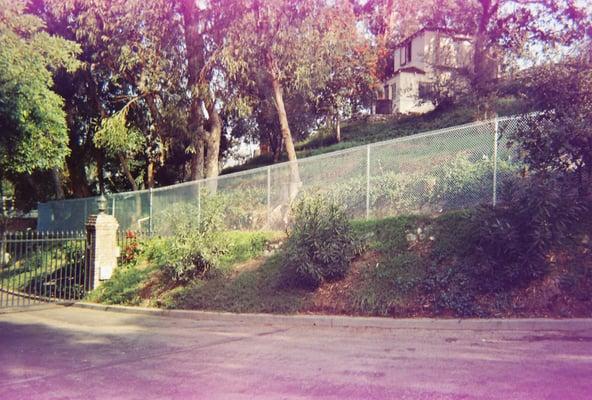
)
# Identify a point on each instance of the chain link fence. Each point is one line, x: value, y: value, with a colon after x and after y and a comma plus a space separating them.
x: 427, y: 173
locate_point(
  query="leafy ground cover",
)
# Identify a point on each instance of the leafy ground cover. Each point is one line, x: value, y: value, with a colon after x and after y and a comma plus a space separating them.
x: 411, y: 266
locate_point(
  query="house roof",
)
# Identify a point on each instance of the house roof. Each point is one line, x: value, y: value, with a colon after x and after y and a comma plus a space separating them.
x: 414, y: 70
x: 448, y: 31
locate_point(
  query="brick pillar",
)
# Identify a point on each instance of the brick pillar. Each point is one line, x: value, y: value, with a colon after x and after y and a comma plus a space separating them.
x: 102, y: 251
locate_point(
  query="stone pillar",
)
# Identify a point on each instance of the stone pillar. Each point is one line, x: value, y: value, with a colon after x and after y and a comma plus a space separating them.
x: 102, y: 250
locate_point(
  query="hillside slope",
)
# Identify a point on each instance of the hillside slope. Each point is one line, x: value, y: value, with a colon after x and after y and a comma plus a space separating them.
x: 371, y: 129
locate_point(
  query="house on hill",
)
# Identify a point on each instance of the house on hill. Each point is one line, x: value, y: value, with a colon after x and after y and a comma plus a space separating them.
x: 417, y: 63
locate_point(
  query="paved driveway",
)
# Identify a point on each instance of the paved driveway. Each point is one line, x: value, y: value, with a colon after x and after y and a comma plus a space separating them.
x: 71, y: 353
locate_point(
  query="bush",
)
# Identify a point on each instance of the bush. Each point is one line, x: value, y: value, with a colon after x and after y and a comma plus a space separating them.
x: 514, y: 239
x: 182, y: 218
x: 452, y: 289
x: 455, y: 184
x: 389, y: 282
x: 195, y: 244
x: 242, y: 207
x: 185, y: 258
x: 320, y: 244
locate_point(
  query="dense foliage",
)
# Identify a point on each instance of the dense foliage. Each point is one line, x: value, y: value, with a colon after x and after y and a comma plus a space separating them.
x: 557, y: 140
x: 118, y: 95
x: 34, y: 134
x: 320, y: 243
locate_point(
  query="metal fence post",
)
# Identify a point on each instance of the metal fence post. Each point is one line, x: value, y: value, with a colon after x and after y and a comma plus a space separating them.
x: 367, y: 181
x: 495, y: 143
x: 85, y: 211
x: 113, y: 206
x: 268, y: 196
x: 150, y: 212
x: 198, y: 203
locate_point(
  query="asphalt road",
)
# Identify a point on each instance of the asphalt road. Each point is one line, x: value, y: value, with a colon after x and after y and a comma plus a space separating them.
x: 71, y: 353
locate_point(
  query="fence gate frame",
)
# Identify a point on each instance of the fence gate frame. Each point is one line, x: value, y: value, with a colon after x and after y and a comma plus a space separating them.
x: 42, y: 267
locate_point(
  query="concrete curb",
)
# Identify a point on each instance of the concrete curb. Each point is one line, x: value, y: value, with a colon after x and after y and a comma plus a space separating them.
x: 32, y: 308
x: 331, y: 321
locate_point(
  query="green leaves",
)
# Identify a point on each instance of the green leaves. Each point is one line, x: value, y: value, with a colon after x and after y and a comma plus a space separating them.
x: 117, y: 136
x: 558, y: 138
x: 32, y: 118
x: 320, y: 244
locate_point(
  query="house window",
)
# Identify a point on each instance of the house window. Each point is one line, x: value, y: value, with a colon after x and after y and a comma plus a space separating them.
x: 405, y: 54
x: 386, y: 91
x: 393, y: 91
x: 426, y: 91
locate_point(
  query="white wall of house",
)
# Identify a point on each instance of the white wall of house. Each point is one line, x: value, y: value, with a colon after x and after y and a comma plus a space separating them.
x: 404, y: 93
x: 418, y: 48
x: 444, y: 50
x: 408, y: 100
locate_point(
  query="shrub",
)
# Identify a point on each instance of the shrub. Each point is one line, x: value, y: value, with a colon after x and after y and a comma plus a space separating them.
x: 187, y: 257
x: 243, y: 207
x: 131, y: 249
x: 320, y: 244
x: 460, y: 182
x: 514, y: 239
x: 452, y: 289
x: 195, y: 244
x: 389, y: 283
x: 182, y: 218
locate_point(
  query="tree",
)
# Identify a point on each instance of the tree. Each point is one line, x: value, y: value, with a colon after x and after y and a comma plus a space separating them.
x: 350, y: 67
x: 122, y: 66
x: 285, y: 47
x: 557, y: 139
x: 390, y: 21
x: 504, y: 31
x: 32, y: 118
x: 151, y: 62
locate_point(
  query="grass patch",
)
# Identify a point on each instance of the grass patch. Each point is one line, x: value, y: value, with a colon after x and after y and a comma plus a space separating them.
x: 255, y: 290
x: 124, y: 286
x: 243, y: 246
x: 130, y: 280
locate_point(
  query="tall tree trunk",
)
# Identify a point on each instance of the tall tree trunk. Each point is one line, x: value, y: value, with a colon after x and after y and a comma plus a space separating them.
x: 286, y: 136
x: 150, y: 174
x: 212, y: 143
x: 126, y: 171
x: 212, y: 148
x: 57, y: 183
x: 2, y: 213
x: 78, y: 183
x: 277, y: 144
x: 484, y: 63
x: 196, y: 169
x: 337, y: 128
x: 195, y: 60
x: 156, y: 117
x: 75, y: 162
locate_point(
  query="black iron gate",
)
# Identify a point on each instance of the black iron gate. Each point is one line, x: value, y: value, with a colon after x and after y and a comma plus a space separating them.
x: 38, y: 267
